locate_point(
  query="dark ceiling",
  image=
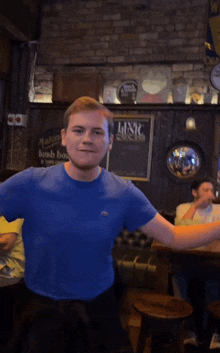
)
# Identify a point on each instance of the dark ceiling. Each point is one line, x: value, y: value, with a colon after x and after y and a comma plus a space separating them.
x: 20, y: 19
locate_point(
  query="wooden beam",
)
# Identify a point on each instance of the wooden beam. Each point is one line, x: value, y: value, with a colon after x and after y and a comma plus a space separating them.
x: 19, y: 19
x: 11, y: 29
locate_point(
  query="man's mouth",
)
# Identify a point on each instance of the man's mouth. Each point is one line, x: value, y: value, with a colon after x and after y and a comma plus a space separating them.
x: 87, y: 151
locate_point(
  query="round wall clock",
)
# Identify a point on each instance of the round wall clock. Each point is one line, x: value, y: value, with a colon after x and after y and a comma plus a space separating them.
x: 215, y: 77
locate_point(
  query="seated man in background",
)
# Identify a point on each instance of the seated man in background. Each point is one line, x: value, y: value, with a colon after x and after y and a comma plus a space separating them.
x: 201, y: 210
x: 12, y: 264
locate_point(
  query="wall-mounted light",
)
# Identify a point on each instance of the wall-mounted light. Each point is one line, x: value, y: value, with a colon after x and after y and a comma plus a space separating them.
x: 190, y: 124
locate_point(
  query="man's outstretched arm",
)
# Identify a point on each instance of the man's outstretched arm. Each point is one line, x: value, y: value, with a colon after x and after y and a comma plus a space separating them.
x: 181, y: 237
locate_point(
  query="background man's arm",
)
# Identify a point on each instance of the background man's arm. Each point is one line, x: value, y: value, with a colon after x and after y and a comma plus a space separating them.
x: 8, y: 233
x: 7, y: 241
x: 185, y: 215
x: 190, y: 213
x: 181, y: 237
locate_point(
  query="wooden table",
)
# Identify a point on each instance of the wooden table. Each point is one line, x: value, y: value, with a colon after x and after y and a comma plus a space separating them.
x: 170, y: 260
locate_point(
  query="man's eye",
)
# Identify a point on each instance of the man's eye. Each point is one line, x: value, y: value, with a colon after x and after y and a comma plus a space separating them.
x: 98, y: 132
x: 78, y: 131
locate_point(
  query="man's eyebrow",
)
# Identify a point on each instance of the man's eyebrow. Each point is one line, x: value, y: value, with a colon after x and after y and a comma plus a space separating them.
x: 78, y: 126
x: 83, y: 127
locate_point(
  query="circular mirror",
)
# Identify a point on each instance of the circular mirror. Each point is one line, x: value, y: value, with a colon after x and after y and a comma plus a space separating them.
x: 183, y: 161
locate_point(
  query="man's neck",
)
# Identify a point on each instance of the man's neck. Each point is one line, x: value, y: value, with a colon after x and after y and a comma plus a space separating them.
x: 204, y: 208
x: 82, y: 175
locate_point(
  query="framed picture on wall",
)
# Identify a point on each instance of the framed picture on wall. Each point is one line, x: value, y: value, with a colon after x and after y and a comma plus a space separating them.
x: 131, y: 154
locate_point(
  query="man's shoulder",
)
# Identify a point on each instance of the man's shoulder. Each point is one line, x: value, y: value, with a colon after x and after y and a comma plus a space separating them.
x: 32, y: 176
x: 115, y: 182
x: 186, y: 204
x: 37, y: 173
x: 32, y: 172
x: 10, y: 227
x: 115, y: 178
x: 216, y: 208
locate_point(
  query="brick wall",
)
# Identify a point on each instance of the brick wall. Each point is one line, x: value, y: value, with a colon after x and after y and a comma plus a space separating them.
x: 117, y: 38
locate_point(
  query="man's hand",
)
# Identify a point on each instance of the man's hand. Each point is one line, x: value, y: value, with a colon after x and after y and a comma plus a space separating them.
x: 203, y: 202
x: 7, y: 241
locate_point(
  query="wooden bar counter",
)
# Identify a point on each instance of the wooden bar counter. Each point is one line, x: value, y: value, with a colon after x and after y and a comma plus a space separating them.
x: 170, y: 261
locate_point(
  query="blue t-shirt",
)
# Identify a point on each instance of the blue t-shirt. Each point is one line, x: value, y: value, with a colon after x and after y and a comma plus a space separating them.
x: 70, y: 227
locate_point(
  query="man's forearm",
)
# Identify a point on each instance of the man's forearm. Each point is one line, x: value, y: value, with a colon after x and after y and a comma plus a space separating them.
x: 181, y: 237
x: 192, y: 236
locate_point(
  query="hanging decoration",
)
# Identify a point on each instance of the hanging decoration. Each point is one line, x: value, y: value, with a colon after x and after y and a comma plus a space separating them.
x: 212, y: 44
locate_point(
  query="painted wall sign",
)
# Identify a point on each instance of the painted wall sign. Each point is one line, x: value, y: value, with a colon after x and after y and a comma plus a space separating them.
x: 50, y: 150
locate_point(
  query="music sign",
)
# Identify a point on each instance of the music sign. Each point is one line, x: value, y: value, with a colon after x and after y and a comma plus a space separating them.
x: 131, y: 153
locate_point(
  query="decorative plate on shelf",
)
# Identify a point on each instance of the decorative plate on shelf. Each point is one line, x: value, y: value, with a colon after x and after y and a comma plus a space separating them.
x: 127, y: 91
x: 154, y: 84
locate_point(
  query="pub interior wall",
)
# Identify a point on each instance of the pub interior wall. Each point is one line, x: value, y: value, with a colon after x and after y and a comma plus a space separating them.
x: 119, y: 38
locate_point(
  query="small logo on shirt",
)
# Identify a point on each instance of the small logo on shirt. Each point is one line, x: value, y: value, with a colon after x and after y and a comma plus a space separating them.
x: 104, y: 213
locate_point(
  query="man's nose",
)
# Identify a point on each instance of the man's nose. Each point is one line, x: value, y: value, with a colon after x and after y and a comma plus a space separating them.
x: 212, y: 196
x: 87, y: 137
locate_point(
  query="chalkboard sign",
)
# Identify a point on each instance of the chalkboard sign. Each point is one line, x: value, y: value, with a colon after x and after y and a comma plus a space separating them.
x: 131, y: 153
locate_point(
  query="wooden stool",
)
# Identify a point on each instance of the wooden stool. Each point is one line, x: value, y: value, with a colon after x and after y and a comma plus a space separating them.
x: 213, y: 310
x: 160, y: 313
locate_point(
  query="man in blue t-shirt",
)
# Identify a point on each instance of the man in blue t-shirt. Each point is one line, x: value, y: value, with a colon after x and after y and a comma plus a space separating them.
x: 73, y: 213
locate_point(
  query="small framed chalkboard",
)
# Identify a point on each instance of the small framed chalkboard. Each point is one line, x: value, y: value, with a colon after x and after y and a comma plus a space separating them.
x: 131, y: 153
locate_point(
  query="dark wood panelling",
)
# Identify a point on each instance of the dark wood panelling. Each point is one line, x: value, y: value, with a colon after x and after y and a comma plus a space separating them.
x: 5, y: 55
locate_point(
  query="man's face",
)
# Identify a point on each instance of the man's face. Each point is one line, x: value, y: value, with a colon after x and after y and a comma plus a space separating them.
x: 205, y: 191
x: 87, y: 139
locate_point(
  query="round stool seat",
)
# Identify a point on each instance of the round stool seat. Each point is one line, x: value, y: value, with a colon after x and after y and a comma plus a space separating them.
x: 160, y: 313
x: 163, y: 306
x: 214, y: 309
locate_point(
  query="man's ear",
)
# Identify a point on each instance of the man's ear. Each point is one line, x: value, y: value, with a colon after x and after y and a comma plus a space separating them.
x: 63, y: 137
x: 110, y: 142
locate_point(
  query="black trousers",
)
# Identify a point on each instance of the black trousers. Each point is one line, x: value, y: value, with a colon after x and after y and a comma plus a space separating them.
x: 70, y: 326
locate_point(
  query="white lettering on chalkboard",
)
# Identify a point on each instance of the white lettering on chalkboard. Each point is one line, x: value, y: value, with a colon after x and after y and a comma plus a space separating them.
x: 130, y: 131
